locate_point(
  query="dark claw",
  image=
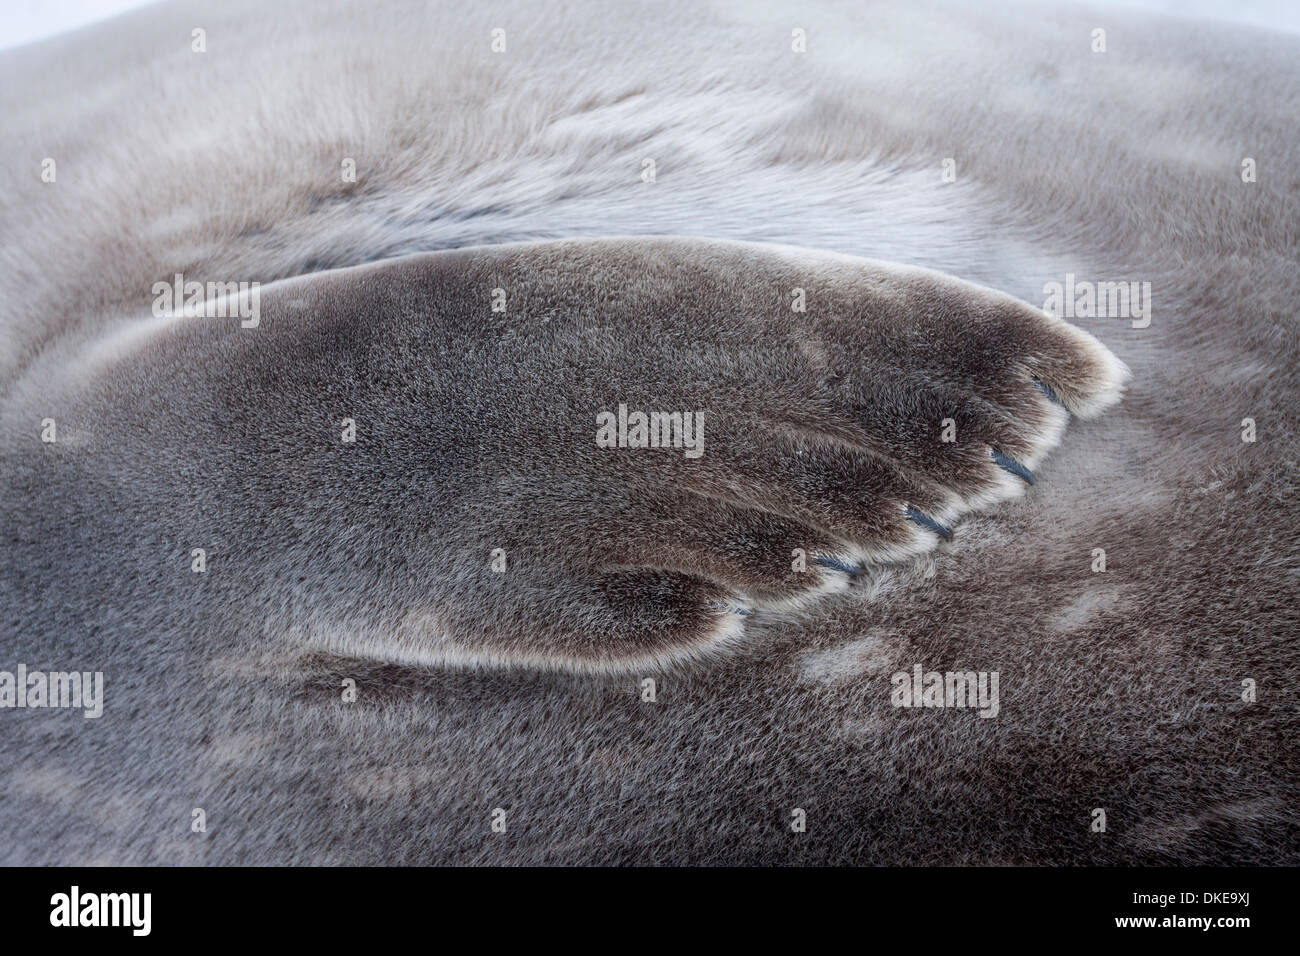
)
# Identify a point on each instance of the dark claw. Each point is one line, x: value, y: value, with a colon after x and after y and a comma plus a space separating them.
x: 730, y: 608
x: 1013, y: 466
x: 852, y: 570
x: 1051, y: 395
x: 925, y: 521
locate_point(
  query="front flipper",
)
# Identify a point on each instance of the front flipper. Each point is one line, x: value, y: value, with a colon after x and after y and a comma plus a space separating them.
x: 495, y: 508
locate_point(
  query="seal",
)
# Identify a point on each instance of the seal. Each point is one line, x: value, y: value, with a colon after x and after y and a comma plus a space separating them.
x: 370, y: 576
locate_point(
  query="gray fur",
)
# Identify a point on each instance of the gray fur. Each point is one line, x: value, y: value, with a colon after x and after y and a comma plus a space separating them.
x: 1120, y: 690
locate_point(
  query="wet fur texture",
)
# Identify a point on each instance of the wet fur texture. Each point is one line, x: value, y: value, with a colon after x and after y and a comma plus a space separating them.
x: 327, y: 562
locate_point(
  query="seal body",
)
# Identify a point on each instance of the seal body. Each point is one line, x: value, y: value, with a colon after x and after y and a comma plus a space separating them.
x: 349, y: 680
